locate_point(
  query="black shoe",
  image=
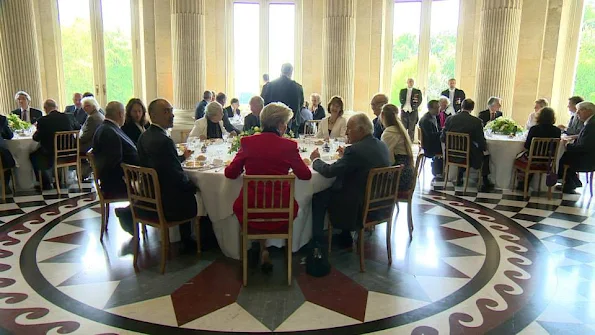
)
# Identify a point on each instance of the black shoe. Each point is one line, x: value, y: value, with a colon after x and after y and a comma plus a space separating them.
x: 188, y: 247
x: 569, y: 190
x: 344, y: 240
x: 125, y: 216
x: 254, y: 255
x: 578, y: 183
x: 520, y: 187
x: 486, y: 186
x: 459, y: 182
x: 266, y: 268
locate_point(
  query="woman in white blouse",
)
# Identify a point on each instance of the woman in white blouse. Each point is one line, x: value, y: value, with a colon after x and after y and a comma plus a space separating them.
x: 532, y: 120
x: 335, y: 125
x: 210, y: 125
x: 399, y: 144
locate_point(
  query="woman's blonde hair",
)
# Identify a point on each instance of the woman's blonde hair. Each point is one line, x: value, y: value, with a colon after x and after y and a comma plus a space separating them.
x: 390, y: 117
x: 274, y: 114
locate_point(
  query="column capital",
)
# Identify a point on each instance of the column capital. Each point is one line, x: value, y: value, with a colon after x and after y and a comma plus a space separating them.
x: 502, y: 4
x: 339, y: 8
x: 188, y: 7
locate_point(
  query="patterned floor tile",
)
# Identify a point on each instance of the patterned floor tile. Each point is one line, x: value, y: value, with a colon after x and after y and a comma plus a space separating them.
x: 231, y: 318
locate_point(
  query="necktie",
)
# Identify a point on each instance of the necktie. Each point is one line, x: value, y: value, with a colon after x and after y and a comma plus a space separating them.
x: 25, y: 116
x: 492, y: 116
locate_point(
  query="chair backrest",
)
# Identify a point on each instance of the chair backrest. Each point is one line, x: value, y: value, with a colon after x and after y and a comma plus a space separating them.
x: 144, y: 191
x: 66, y: 146
x: 543, y: 151
x: 382, y: 189
x: 184, y: 135
x: 311, y: 127
x: 457, y: 148
x: 96, y: 181
x: 258, y: 187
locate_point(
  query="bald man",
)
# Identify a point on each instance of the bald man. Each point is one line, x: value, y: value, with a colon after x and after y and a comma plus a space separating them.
x: 377, y: 102
x: 157, y: 150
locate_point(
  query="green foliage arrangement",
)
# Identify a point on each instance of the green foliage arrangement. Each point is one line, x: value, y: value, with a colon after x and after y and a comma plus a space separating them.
x: 236, y: 141
x: 17, y: 124
x: 504, y: 126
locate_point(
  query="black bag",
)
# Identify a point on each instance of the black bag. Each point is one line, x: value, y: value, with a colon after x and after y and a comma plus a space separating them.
x: 317, y: 264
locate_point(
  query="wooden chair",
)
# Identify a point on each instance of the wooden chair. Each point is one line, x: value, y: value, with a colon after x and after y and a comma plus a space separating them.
x: 541, y: 152
x: 589, y: 178
x: 262, y: 205
x: 104, y: 200
x: 407, y: 196
x: 380, y: 199
x: 458, y: 151
x: 144, y: 194
x: 311, y: 127
x: 3, y: 180
x: 66, y: 154
x: 184, y: 135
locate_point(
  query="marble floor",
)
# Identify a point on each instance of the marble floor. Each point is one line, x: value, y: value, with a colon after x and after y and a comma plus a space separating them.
x: 477, y: 263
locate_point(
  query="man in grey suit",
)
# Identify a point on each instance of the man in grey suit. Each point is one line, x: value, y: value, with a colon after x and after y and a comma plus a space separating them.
x: 76, y: 109
x: 464, y: 122
x: 575, y: 125
x: 345, y: 199
x: 94, y: 120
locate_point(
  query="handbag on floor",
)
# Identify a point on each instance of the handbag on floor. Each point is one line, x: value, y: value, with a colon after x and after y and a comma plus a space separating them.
x: 551, y: 177
x: 317, y: 264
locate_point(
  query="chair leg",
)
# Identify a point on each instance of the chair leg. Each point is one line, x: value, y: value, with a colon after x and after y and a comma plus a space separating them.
x: 446, y: 176
x: 526, y: 185
x: 330, y: 237
x: 244, y: 260
x: 57, y: 180
x: 136, y: 247
x: 467, y: 179
x: 539, y: 185
x: 197, y: 230
x: 79, y: 174
x: 3, y: 187
x: 104, y: 209
x: 14, y: 181
x: 289, y: 259
x: 591, y: 184
x: 410, y: 217
x: 144, y: 231
x: 107, y: 207
x: 163, y: 250
x: 360, y: 239
x: 388, y: 239
x: 514, y: 177
x: 564, y: 176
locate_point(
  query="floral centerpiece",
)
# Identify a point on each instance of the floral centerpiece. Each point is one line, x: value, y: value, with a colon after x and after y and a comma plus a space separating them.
x: 236, y: 141
x: 17, y: 124
x: 504, y: 126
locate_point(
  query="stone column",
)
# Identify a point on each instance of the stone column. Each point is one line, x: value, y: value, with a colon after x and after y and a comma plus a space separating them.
x: 339, y: 50
x: 189, y: 52
x: 498, y: 49
x: 19, y: 66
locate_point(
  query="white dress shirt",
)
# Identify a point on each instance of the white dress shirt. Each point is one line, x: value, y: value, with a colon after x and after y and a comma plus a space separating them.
x: 451, y: 95
x: 407, y: 105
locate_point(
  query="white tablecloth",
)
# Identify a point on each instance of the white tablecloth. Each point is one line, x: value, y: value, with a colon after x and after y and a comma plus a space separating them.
x: 217, y: 194
x: 21, y: 147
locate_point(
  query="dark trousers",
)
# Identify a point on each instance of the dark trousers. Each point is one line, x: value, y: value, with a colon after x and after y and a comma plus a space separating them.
x: 42, y: 161
x: 409, y: 121
x: 576, y: 163
x: 437, y: 166
x: 485, y: 167
x: 320, y: 203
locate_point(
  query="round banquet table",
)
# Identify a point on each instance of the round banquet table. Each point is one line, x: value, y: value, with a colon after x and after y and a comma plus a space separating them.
x: 21, y: 147
x: 237, y: 122
x: 217, y: 194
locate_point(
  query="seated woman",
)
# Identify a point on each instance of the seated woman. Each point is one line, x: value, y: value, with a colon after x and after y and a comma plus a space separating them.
x: 318, y: 112
x: 532, y: 120
x: 335, y: 125
x: 268, y: 153
x: 445, y: 110
x: 399, y: 144
x: 544, y: 128
x: 136, y: 119
x: 210, y: 125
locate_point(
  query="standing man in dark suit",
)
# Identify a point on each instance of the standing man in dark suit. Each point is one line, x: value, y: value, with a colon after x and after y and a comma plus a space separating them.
x: 76, y: 110
x: 455, y: 95
x: 431, y: 137
x: 26, y: 112
x: 580, y: 155
x: 221, y: 98
x: 345, y: 199
x: 288, y: 92
x: 265, y: 80
x: 410, y: 99
x: 200, y: 107
x: 157, y: 150
x: 465, y: 123
x: 378, y: 101
x: 43, y: 158
x: 493, y: 112
x: 7, y: 159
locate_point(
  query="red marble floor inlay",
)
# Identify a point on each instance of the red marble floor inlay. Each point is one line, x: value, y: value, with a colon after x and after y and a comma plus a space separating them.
x: 336, y: 292
x: 78, y: 238
x: 215, y: 287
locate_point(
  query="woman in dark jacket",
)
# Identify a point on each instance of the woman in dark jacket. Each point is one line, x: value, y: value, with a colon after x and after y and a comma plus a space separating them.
x: 136, y: 122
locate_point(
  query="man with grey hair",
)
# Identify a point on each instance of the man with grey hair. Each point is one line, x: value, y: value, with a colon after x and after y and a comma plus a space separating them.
x: 253, y: 119
x: 345, y: 199
x: 210, y: 125
x: 444, y: 111
x: 24, y: 111
x: 76, y: 109
x: 579, y: 155
x: 378, y: 100
x: 455, y: 95
x: 287, y: 91
x: 493, y: 112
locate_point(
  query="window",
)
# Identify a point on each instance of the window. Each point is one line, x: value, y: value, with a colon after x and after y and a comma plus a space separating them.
x: 584, y: 81
x: 443, y: 46
x: 246, y: 46
x: 407, y: 16
x: 281, y: 37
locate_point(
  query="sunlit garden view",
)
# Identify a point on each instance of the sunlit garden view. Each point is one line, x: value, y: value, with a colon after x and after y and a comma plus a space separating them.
x: 584, y: 84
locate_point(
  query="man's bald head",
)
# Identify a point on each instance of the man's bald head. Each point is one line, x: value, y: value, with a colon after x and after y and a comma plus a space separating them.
x: 161, y: 113
x: 50, y: 105
x: 115, y: 112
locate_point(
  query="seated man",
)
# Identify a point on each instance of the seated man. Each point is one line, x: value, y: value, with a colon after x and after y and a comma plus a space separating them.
x: 574, y: 125
x: 253, y: 119
x: 464, y: 122
x: 378, y: 100
x: 157, y: 150
x: 200, y: 107
x: 221, y: 98
x: 5, y: 155
x: 345, y: 199
x: 233, y: 109
x: 93, y: 121
x: 111, y: 147
x: 431, y: 136
x: 211, y: 125
x: 493, y: 112
x: 580, y: 155
x: 76, y: 110
x: 26, y: 112
x: 43, y: 158
x: 305, y: 115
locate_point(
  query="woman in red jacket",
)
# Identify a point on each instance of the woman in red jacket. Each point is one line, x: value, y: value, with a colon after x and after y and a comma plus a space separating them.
x: 268, y: 153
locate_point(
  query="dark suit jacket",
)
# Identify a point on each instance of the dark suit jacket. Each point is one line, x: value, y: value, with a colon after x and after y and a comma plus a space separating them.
x: 575, y: 125
x: 431, y: 135
x: 466, y: 123
x: 378, y: 128
x: 6, y: 134
x: 89, y: 127
x: 542, y: 131
x: 286, y: 91
x: 156, y: 150
x: 111, y: 148
x: 79, y: 115
x: 36, y: 114
x: 132, y: 131
x: 584, y: 145
x: 347, y: 200
x: 458, y: 100
x: 229, y: 111
x: 200, y: 109
x: 228, y: 126
x: 416, y: 98
x: 484, y: 116
x: 47, y: 126
x: 319, y: 114
x: 251, y: 121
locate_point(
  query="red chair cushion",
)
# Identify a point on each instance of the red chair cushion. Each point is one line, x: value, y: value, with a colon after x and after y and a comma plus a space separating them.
x: 522, y: 164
